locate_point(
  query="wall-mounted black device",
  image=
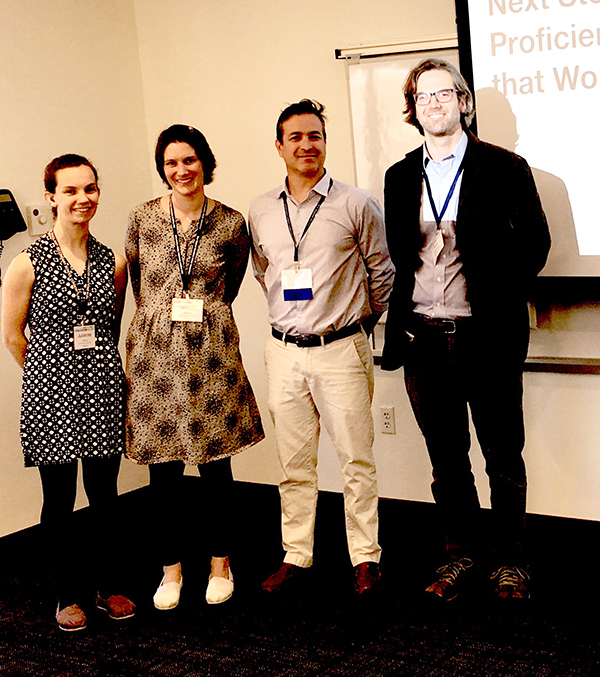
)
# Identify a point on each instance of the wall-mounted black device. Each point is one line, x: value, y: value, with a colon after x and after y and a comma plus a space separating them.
x: 11, y: 220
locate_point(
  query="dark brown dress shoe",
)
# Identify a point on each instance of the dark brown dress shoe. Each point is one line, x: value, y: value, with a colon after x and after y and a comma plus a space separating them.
x: 367, y: 577
x: 285, y: 578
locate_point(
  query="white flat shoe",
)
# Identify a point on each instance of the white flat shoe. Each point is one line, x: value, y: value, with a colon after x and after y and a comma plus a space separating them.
x: 219, y: 589
x: 167, y: 595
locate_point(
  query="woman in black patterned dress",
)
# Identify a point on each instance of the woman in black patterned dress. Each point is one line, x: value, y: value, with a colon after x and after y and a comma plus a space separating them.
x: 189, y: 399
x: 68, y: 289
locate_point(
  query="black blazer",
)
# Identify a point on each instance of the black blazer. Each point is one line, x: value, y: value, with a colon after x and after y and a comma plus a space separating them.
x: 501, y: 233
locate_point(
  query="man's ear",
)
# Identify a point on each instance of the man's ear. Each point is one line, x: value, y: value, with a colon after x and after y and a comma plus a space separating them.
x: 278, y: 146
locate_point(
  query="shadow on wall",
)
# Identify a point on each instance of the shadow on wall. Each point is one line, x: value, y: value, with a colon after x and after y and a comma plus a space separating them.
x: 497, y: 124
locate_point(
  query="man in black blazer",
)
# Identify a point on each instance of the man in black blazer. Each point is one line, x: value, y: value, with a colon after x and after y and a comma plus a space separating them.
x: 467, y: 235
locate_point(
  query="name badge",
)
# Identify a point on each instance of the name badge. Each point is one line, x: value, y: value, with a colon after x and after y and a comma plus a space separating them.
x: 84, y: 336
x: 297, y: 284
x: 187, y: 310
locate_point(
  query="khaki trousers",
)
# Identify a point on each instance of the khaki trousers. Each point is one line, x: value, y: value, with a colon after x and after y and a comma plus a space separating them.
x: 332, y: 383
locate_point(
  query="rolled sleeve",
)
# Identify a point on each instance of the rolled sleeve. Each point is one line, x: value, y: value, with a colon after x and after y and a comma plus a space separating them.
x: 375, y: 253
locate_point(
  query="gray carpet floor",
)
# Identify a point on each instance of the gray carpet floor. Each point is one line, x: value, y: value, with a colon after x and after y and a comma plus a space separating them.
x: 324, y: 631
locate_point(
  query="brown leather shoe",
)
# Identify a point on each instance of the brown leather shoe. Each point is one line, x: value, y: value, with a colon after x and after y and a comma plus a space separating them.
x: 285, y: 578
x: 118, y: 607
x: 511, y: 582
x: 367, y: 577
x: 71, y: 618
x: 451, y: 579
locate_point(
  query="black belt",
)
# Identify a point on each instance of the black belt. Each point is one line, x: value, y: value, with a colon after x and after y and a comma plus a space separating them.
x: 420, y: 321
x: 313, y: 340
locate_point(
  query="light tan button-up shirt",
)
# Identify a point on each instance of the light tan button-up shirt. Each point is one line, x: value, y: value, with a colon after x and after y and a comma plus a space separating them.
x: 345, y: 247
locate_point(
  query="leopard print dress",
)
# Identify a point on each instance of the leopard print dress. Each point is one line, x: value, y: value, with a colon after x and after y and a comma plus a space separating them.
x: 189, y: 397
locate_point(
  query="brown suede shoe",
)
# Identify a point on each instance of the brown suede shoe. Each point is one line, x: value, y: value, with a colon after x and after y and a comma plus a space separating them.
x: 71, y: 618
x: 118, y: 607
x: 367, y: 576
x: 511, y: 582
x: 285, y: 578
x: 451, y: 579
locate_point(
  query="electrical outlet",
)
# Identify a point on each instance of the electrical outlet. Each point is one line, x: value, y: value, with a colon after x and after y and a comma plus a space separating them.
x: 388, y: 420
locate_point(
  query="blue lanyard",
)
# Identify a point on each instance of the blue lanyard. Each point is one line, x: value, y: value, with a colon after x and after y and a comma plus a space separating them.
x: 186, y: 274
x: 308, y: 223
x: 438, y: 218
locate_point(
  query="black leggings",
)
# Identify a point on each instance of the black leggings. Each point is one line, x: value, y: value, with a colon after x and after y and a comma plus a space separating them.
x: 72, y: 553
x: 217, y: 510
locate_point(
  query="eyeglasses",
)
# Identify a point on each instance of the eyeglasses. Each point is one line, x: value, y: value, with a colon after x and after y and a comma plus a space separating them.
x: 441, y: 96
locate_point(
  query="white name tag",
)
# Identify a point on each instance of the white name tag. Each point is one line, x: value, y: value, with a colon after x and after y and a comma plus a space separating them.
x: 187, y: 310
x: 297, y: 284
x: 84, y: 337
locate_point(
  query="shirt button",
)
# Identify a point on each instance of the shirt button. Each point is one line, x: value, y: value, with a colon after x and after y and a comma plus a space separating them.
x: 439, y: 279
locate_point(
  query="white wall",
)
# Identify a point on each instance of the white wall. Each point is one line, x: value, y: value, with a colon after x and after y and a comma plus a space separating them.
x: 105, y: 79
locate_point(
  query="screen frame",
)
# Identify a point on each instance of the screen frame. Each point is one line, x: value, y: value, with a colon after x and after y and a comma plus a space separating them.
x: 565, y: 289
x: 548, y: 291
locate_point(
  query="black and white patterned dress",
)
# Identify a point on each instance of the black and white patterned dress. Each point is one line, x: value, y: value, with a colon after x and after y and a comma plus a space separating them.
x: 73, y: 400
x: 189, y: 398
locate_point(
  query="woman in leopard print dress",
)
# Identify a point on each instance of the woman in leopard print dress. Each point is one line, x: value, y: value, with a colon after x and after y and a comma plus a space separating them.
x: 189, y: 399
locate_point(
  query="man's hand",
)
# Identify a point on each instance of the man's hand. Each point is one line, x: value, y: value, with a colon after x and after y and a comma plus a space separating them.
x: 369, y: 323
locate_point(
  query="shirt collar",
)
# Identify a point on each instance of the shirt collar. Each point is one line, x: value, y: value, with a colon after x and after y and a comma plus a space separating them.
x: 321, y: 187
x: 457, y: 154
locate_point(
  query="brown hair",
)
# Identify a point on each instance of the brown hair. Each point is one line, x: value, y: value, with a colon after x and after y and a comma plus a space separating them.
x: 64, y: 162
x: 195, y: 139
